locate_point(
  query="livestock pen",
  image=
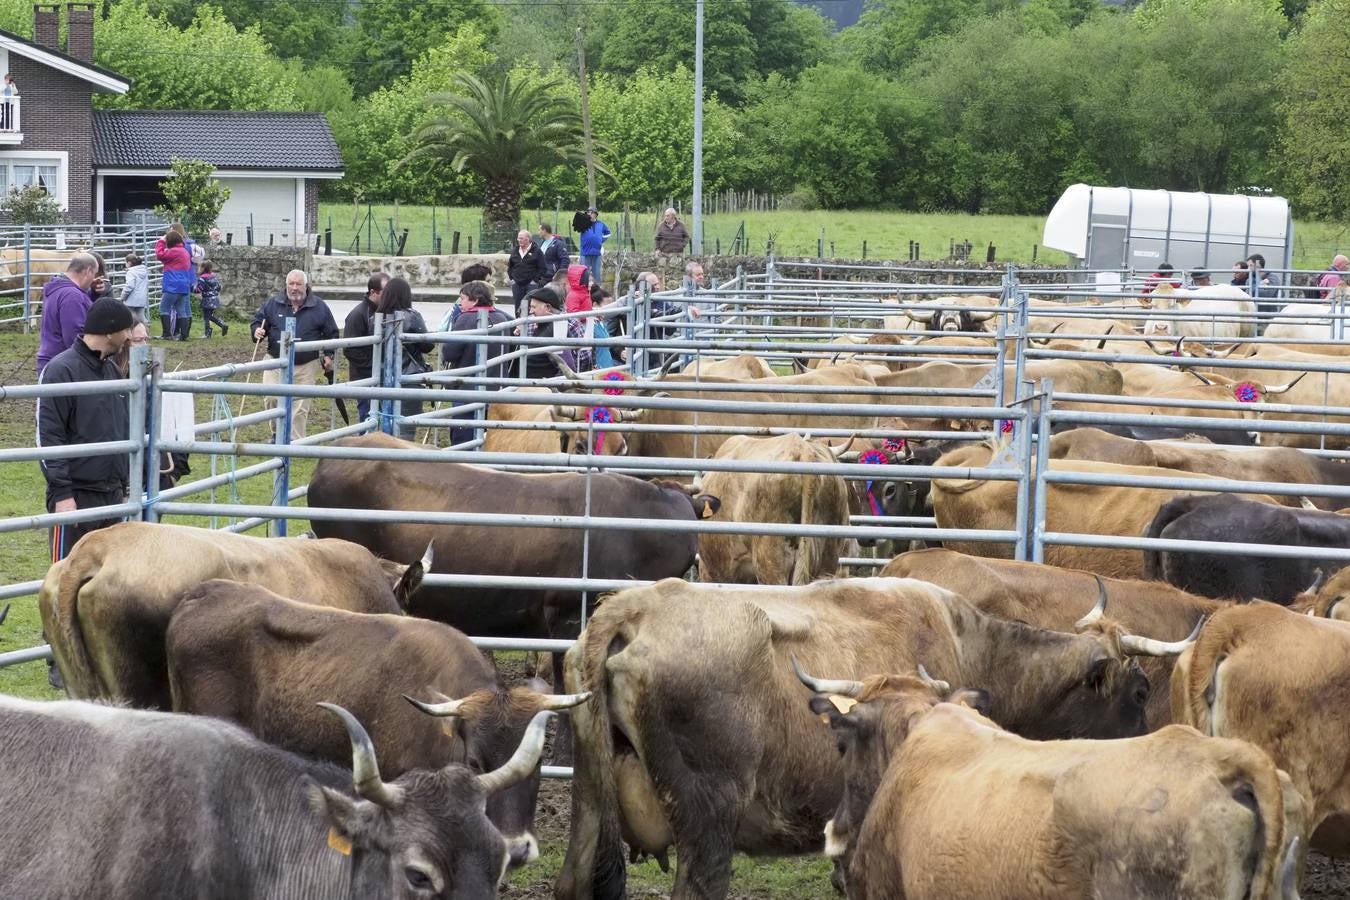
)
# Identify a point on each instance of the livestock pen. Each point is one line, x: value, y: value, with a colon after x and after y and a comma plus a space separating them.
x: 794, y: 317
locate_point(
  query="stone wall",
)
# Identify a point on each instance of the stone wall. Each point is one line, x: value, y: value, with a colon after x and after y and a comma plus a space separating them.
x: 249, y: 275
x: 425, y: 271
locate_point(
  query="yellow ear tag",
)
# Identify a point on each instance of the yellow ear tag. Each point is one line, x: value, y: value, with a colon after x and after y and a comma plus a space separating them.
x: 843, y: 704
x: 339, y: 843
x: 448, y: 728
x: 708, y: 511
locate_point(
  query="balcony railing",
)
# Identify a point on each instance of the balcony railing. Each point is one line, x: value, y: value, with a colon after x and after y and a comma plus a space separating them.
x: 9, y: 115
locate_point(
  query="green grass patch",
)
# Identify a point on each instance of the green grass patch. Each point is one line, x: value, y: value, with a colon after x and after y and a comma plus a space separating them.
x: 837, y: 233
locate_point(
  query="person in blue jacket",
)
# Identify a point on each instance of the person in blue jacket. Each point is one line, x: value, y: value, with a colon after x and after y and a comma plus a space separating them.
x: 592, y: 241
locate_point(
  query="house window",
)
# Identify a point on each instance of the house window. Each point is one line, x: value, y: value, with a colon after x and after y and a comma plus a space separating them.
x: 18, y: 172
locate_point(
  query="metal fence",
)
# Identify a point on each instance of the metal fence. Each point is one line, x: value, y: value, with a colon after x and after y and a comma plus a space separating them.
x: 792, y: 316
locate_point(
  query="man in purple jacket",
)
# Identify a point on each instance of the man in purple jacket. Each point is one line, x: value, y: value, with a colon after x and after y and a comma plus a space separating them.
x: 65, y: 303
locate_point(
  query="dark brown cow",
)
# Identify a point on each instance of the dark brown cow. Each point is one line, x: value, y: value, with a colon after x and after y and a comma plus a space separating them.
x: 1051, y: 597
x: 946, y: 804
x: 697, y: 737
x: 106, y: 606
x: 240, y: 652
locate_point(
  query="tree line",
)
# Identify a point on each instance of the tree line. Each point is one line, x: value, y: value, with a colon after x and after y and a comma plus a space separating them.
x: 969, y: 105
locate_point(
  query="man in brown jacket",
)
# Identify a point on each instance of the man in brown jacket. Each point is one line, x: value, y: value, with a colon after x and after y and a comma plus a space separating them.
x: 671, y: 235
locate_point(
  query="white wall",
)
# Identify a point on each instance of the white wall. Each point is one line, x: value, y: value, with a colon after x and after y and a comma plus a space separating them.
x: 273, y: 203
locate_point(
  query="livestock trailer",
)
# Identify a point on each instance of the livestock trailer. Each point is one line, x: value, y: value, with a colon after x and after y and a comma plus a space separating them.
x: 1131, y: 229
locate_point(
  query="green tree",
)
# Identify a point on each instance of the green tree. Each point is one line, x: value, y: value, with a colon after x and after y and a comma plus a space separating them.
x: 31, y: 205
x: 210, y: 65
x: 1315, y: 140
x: 889, y: 34
x: 191, y: 195
x: 395, y: 33
x: 504, y: 131
x: 304, y: 29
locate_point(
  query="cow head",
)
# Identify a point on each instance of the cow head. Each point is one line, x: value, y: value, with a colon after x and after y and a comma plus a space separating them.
x: 405, y: 580
x: 950, y: 320
x: 426, y: 834
x: 870, y: 720
x: 705, y: 506
x: 597, y: 442
x: 893, y: 497
x: 489, y: 725
x: 1325, y: 598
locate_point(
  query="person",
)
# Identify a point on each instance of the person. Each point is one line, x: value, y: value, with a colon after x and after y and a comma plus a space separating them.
x: 102, y: 286
x: 136, y: 288
x: 1165, y: 274
x: 473, y: 272
x: 313, y: 322
x: 361, y: 323
x: 66, y: 300
x: 579, y: 300
x: 1331, y: 278
x: 524, y: 268
x: 1240, y: 274
x: 475, y: 296
x: 605, y: 328
x: 671, y: 235
x: 1199, y: 278
x: 175, y: 304
x: 1265, y: 286
x: 397, y: 297
x: 554, y: 249
x: 9, y: 93
x: 544, y: 302
x: 592, y: 242
x: 83, y: 482
x: 208, y: 285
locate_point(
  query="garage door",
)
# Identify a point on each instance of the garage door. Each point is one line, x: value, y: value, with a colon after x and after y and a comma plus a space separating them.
x: 272, y: 203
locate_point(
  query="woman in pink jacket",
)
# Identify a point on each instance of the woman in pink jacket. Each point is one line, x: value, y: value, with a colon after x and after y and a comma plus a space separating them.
x: 175, y: 304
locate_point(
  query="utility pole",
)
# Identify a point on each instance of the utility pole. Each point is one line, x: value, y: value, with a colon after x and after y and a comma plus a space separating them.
x: 696, y: 245
x: 586, y: 119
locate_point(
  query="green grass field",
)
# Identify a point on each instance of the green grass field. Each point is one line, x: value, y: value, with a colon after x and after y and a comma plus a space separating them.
x: 794, y: 232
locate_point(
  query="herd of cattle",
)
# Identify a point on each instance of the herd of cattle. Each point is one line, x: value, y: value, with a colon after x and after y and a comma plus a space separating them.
x: 1116, y: 723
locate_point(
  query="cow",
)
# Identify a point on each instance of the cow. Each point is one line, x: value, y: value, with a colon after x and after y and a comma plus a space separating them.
x: 693, y: 739
x: 932, y: 787
x: 162, y: 805
x: 1310, y: 322
x: 1272, y: 464
x: 1072, y: 508
x: 744, y: 366
x: 1229, y: 519
x: 105, y: 607
x: 962, y: 314
x: 1221, y: 311
x: 546, y: 440
x: 1325, y: 596
x: 242, y: 653
x: 774, y: 498
x: 1264, y: 674
x: 1050, y: 597
x: 42, y: 266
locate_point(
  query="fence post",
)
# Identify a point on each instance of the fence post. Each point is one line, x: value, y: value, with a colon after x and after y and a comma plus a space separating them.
x: 390, y: 371
x: 27, y: 279
x: 377, y: 366
x: 281, y: 477
x: 642, y: 308
x: 480, y: 361
x: 1042, y: 465
x: 154, y: 410
x: 136, y: 418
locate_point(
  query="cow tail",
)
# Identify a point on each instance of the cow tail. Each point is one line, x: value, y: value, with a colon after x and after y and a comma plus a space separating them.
x: 594, y: 866
x: 1273, y: 826
x: 59, y: 605
x: 810, y: 550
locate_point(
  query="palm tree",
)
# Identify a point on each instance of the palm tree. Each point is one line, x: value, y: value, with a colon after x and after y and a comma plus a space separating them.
x: 503, y: 132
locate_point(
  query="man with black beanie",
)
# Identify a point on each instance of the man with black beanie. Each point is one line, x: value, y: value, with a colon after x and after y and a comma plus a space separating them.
x: 82, y: 482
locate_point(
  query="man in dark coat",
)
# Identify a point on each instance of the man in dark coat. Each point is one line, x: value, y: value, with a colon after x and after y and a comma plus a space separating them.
x: 361, y: 323
x: 554, y: 248
x: 525, y: 269
x: 313, y: 322
x: 671, y: 235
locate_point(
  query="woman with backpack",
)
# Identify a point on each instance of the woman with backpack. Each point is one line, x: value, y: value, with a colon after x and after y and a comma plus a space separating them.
x: 397, y: 297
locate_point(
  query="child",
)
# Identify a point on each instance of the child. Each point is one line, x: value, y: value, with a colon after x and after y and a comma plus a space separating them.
x: 208, y: 285
x: 135, y: 292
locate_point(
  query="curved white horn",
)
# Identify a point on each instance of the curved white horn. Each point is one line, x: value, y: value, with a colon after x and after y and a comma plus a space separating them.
x: 1142, y: 646
x: 522, y: 762
x: 566, y: 412
x: 941, y: 687
x: 568, y: 372
x: 1318, y: 577
x: 982, y: 316
x: 1099, y: 609
x: 826, y: 685
x: 365, y: 769
x: 836, y: 452
x: 440, y: 710
x: 1306, y: 503
x: 559, y: 702
x: 1284, y: 387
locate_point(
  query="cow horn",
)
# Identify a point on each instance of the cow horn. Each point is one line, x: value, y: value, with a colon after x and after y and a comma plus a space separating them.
x: 836, y: 452
x: 1306, y: 503
x: 941, y: 687
x: 1097, y: 611
x: 566, y: 412
x: 365, y: 768
x: 1209, y: 351
x: 1284, y: 387
x: 913, y: 318
x: 696, y: 486
x: 559, y: 702
x: 982, y: 316
x: 826, y: 685
x: 1318, y: 577
x: 1203, y: 380
x: 441, y: 710
x: 522, y: 762
x: 568, y: 372
x: 1142, y: 646
x: 1154, y: 347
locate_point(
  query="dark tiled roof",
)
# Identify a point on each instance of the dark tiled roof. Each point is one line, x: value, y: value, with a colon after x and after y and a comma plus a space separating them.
x: 148, y: 138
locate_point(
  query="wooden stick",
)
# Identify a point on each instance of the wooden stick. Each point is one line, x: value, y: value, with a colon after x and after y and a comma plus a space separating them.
x: 249, y: 376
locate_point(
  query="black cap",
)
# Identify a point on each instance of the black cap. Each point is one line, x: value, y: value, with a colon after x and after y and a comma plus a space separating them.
x: 107, y: 316
x: 545, y: 295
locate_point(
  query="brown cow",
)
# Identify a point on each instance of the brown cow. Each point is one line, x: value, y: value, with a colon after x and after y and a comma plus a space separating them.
x: 1273, y: 677
x: 43, y: 266
x: 242, y: 653
x: 1072, y: 508
x: 696, y: 735
x: 1051, y: 597
x: 1325, y: 599
x: 745, y: 366
x: 105, y: 606
x: 1275, y: 464
x: 544, y: 440
x: 955, y: 806
x: 776, y: 498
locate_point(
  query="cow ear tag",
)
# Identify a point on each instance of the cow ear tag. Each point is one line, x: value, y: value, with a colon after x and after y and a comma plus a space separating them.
x: 708, y: 511
x: 842, y: 703
x: 339, y: 843
x: 448, y: 728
